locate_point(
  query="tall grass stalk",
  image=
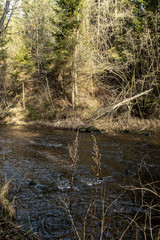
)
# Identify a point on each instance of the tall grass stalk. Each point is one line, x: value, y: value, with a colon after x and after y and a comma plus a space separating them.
x: 96, y: 158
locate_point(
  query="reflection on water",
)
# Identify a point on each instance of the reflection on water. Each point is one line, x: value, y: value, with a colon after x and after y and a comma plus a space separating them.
x: 38, y: 160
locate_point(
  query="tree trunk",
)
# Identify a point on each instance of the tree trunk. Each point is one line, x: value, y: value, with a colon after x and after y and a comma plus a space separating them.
x: 74, y: 70
x: 4, y: 15
x: 23, y: 89
x: 98, y: 20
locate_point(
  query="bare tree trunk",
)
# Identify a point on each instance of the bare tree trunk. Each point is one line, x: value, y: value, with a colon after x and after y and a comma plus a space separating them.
x: 23, y: 90
x: 98, y: 19
x: 38, y: 63
x: 74, y: 86
x: 158, y: 35
x: 49, y: 96
x: 7, y: 14
x: 74, y: 71
x: 4, y: 14
x: 116, y: 5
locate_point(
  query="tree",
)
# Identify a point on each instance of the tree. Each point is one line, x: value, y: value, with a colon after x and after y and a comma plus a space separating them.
x: 124, y: 47
x: 67, y: 38
x: 37, y: 31
x: 29, y: 47
x: 7, y: 8
x: 7, y: 12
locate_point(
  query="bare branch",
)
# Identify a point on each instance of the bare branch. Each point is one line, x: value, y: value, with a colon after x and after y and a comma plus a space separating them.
x: 7, y: 14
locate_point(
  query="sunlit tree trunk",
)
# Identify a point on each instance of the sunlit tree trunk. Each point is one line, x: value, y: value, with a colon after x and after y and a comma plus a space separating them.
x: 4, y: 14
x: 98, y: 19
x: 116, y: 10
x: 74, y: 69
x: 37, y: 39
x: 8, y: 10
x: 23, y: 92
x: 74, y: 79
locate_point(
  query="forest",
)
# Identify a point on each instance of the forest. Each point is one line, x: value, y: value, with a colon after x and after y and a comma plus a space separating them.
x: 78, y: 59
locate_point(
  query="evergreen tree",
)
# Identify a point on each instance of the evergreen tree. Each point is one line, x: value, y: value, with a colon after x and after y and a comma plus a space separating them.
x: 67, y: 37
x: 67, y: 23
x: 37, y: 31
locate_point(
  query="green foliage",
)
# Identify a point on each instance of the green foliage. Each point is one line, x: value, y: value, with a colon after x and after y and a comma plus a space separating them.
x: 68, y: 22
x: 23, y: 60
x: 3, y: 51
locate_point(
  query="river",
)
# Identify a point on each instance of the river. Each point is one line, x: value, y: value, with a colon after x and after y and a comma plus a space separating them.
x: 45, y: 184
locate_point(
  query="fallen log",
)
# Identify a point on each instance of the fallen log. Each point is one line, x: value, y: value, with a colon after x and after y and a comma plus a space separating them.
x: 116, y: 106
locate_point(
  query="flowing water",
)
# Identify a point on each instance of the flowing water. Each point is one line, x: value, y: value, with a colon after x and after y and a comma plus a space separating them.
x: 37, y: 161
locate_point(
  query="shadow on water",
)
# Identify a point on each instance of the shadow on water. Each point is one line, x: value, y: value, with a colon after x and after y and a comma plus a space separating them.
x: 37, y: 159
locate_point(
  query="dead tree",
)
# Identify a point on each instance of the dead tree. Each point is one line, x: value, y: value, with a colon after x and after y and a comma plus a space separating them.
x: 116, y: 106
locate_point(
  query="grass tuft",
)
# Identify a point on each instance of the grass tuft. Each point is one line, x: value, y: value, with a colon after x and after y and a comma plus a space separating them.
x: 5, y: 204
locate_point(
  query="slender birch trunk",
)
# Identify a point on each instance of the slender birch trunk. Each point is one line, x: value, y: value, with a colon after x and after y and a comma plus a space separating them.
x: 23, y: 92
x: 74, y: 70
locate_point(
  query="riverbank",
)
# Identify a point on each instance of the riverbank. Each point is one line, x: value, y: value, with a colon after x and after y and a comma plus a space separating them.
x: 129, y: 125
x: 9, y: 228
x: 122, y: 125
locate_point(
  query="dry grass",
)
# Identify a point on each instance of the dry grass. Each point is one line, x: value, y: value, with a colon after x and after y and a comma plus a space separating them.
x: 128, y: 124
x: 67, y: 124
x: 5, y: 204
x: 123, y: 125
x: 9, y: 229
x: 73, y: 151
x: 96, y: 158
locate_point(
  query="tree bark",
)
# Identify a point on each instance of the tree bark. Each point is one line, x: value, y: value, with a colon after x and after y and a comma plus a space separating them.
x: 4, y: 14
x: 8, y: 10
x: 23, y: 89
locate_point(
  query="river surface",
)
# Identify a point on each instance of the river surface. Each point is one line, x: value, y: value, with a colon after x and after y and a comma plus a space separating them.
x: 45, y: 183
